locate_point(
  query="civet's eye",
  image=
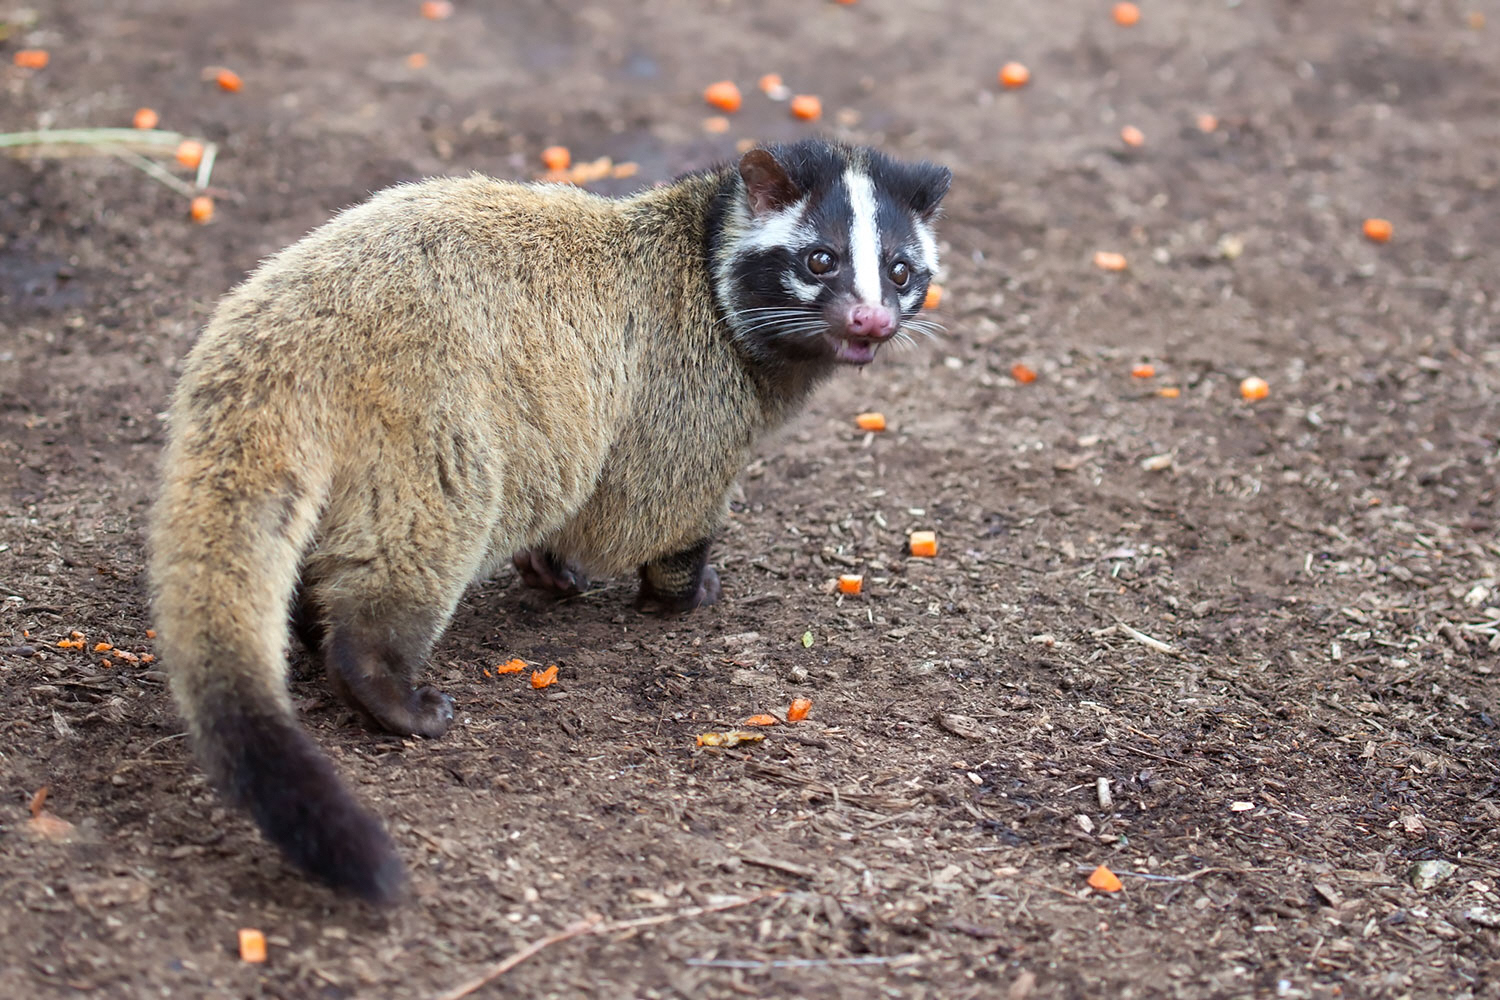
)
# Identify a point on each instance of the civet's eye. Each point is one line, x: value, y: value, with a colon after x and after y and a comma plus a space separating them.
x: 821, y: 262
x: 900, y: 273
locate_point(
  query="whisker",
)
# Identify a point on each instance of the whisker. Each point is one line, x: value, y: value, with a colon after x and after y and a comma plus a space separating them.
x: 782, y: 325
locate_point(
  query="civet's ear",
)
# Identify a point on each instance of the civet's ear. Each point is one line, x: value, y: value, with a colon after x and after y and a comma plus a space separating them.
x: 767, y: 186
x: 929, y: 184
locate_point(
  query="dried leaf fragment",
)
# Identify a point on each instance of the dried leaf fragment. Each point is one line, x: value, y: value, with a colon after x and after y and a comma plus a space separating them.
x: 45, y: 826
x: 729, y: 739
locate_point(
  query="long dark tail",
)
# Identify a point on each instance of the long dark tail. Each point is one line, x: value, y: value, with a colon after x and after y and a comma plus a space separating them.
x: 227, y: 537
x: 259, y: 757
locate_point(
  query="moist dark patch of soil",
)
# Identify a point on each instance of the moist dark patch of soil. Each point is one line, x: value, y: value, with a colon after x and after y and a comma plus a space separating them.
x: 1277, y: 649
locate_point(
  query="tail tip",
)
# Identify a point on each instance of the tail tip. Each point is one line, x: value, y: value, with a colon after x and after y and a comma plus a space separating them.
x: 380, y: 884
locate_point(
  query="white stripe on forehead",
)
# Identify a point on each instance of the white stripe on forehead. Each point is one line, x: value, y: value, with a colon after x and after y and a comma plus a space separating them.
x: 864, y: 238
x: 782, y: 229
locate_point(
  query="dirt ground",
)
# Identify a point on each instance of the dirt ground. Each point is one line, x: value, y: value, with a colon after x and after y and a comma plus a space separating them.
x: 1319, y: 570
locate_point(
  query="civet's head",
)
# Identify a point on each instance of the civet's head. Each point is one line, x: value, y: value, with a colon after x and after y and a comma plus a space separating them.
x: 824, y: 251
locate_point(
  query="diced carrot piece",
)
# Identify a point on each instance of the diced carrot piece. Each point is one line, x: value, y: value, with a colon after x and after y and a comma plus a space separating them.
x: 189, y: 154
x: 770, y: 82
x: 556, y: 158
x: 1169, y: 392
x: 201, y: 209
x: 934, y: 297
x: 851, y: 583
x: 252, y: 945
x: 228, y: 80
x: 437, y: 10
x: 716, y: 124
x: 1143, y: 371
x: 148, y: 658
x: 417, y: 60
x: 1021, y: 373
x: 761, y: 720
x: 924, y: 543
x: 1105, y: 880
x: 870, y: 421
x: 1127, y: 14
x: 1254, y: 388
x: 807, y: 107
x: 103, y: 647
x: 145, y: 118
x: 514, y: 666
x: 1014, y: 74
x: 544, y: 678
x: 723, y: 95
x: 798, y: 710
x: 32, y: 58
x: 1107, y: 260
x: 1132, y: 136
x: 1377, y: 230
x: 151, y: 633
x: 1207, y: 123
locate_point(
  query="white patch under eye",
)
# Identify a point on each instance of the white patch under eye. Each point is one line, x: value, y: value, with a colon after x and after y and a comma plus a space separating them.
x: 804, y: 291
x: 864, y: 238
x: 910, y: 301
x: 928, y: 255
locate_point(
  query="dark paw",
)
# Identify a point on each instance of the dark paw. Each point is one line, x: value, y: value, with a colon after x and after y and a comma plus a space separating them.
x: 431, y: 712
x: 654, y: 602
x: 546, y: 572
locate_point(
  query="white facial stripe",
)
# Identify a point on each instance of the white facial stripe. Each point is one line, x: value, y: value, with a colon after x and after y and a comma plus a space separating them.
x: 928, y: 244
x: 779, y: 229
x: 864, y: 238
x: 910, y: 301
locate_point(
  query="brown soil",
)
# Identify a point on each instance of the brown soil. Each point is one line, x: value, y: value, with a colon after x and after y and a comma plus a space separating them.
x: 1322, y: 565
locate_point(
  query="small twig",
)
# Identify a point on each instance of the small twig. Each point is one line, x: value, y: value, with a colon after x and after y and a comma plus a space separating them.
x: 594, y: 923
x: 206, y: 165
x: 155, y: 171
x: 806, y: 963
x: 1146, y: 640
x: 573, y: 930
x: 148, y: 137
x: 775, y: 864
x: 1189, y: 877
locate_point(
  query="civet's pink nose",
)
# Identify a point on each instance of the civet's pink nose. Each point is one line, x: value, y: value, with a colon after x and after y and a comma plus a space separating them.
x: 874, y: 322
